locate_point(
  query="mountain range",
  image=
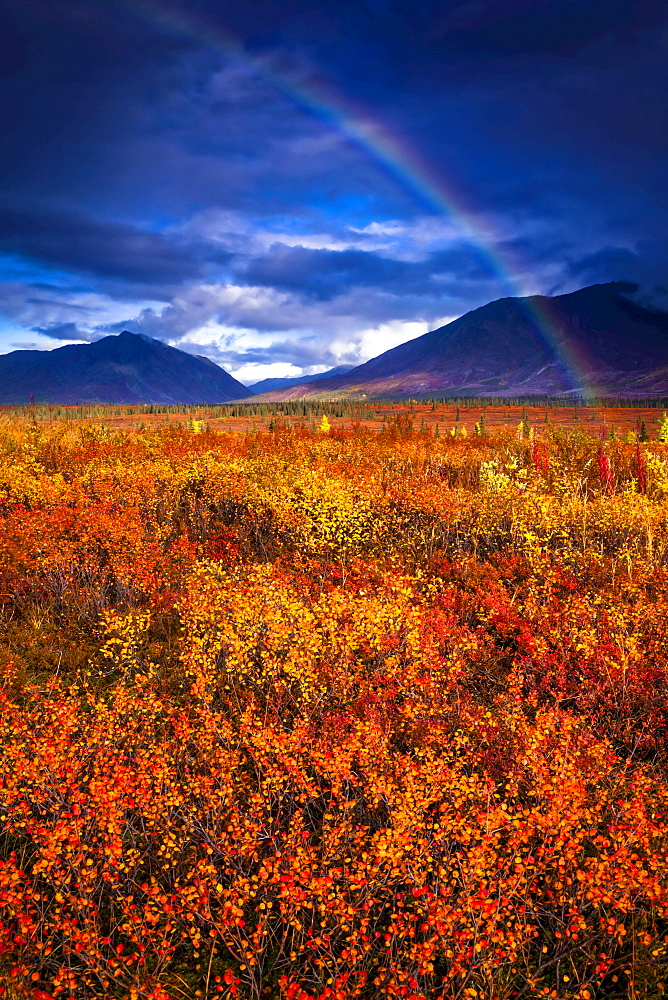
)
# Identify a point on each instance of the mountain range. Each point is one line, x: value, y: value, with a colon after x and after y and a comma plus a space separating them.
x: 596, y: 341
x: 273, y: 384
x: 128, y: 368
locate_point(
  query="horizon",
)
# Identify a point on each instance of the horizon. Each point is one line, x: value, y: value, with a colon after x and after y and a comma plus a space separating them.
x: 287, y: 190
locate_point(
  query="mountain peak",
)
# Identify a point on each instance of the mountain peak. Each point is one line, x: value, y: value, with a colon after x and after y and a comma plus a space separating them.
x: 127, y: 334
x: 609, y: 290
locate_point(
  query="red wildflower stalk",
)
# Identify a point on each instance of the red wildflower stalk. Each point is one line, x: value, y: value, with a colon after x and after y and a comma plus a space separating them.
x: 540, y: 457
x: 605, y: 471
x: 640, y: 469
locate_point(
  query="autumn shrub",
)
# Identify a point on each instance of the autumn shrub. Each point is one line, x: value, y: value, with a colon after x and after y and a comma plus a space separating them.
x: 330, y: 714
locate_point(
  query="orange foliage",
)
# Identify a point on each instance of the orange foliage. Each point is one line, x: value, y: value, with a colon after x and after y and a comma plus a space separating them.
x: 317, y: 716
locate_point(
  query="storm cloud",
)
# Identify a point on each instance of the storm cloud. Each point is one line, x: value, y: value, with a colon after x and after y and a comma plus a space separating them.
x: 106, y: 250
x: 304, y: 184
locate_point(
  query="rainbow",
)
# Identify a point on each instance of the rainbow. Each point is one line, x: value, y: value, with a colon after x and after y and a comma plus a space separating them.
x: 396, y: 158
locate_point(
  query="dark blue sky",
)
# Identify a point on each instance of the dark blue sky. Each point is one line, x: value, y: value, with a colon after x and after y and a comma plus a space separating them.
x: 287, y: 186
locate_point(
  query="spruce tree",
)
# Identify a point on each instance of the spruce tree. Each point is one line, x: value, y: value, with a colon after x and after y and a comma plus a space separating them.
x: 526, y: 426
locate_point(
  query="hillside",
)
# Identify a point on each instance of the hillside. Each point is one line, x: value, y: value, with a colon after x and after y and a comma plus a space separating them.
x: 128, y: 368
x: 593, y: 340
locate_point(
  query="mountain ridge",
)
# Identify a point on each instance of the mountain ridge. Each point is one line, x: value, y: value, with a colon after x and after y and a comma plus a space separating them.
x: 274, y: 384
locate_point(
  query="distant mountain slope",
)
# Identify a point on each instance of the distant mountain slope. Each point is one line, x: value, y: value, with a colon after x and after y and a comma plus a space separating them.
x: 273, y: 384
x: 595, y: 339
x: 128, y: 368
